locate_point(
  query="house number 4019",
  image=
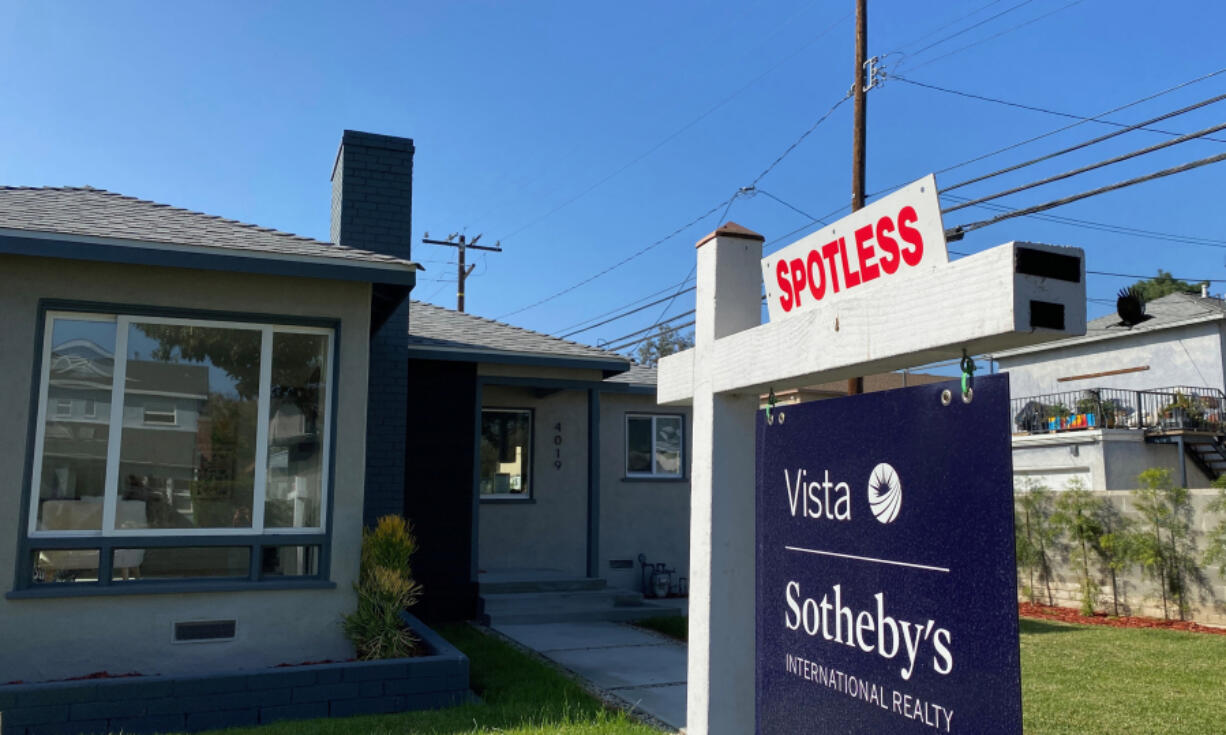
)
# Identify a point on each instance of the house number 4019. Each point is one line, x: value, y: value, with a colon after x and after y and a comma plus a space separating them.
x: 557, y: 446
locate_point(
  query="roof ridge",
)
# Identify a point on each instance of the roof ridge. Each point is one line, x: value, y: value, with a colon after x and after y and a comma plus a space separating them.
x: 515, y: 327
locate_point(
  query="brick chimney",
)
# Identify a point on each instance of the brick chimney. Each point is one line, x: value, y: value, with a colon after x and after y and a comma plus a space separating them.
x: 372, y: 209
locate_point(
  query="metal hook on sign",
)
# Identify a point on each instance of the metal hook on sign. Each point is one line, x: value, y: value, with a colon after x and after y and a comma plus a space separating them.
x: 968, y: 374
x: 771, y: 400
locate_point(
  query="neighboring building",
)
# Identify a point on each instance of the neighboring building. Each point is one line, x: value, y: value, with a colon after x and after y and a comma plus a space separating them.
x: 1104, y: 406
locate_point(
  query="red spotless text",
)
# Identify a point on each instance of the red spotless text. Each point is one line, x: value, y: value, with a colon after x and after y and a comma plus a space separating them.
x: 892, y: 235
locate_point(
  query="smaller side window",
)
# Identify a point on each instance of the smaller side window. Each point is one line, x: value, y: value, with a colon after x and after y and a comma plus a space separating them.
x: 655, y: 446
x: 161, y: 416
x: 63, y: 408
x: 506, y: 454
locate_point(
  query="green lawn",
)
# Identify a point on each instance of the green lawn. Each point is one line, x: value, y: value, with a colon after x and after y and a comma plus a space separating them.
x: 1096, y: 680
x: 521, y: 696
x: 1076, y: 680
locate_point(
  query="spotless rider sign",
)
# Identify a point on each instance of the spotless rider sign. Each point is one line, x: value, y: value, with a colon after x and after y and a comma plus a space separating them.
x: 890, y: 239
x: 886, y: 590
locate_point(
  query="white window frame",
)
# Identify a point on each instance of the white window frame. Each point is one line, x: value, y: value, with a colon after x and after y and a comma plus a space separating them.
x: 63, y: 408
x: 653, y: 475
x: 115, y: 438
x: 173, y: 413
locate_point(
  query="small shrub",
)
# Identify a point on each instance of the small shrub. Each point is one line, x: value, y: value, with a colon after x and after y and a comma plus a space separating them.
x: 1036, y: 537
x: 385, y: 587
x: 1170, y: 561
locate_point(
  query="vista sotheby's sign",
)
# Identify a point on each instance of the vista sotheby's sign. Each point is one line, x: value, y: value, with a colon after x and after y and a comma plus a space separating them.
x: 886, y: 590
x: 890, y: 238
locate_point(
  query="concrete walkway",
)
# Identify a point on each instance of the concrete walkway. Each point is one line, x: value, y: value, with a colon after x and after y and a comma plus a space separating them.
x: 643, y: 668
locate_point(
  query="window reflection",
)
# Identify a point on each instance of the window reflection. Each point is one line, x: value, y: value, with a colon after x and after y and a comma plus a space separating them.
x: 75, y: 430
x: 187, y: 457
x: 295, y: 431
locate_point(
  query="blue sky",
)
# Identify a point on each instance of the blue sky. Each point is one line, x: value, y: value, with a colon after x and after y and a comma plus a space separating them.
x: 579, y: 134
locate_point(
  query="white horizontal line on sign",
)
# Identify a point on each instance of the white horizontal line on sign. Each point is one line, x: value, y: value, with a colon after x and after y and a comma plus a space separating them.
x: 944, y: 570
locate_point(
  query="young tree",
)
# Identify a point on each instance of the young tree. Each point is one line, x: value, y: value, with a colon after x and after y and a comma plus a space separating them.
x: 1167, y: 551
x: 1116, y: 546
x: 666, y: 341
x: 1042, y: 536
x: 1077, y: 516
x: 1215, y: 553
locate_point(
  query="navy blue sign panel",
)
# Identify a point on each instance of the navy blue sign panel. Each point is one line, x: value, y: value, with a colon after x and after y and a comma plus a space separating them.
x: 886, y: 585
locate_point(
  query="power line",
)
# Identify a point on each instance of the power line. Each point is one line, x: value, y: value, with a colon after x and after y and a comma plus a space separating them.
x: 1034, y: 108
x: 1145, y: 278
x: 1092, y: 141
x: 1011, y: 29
x: 623, y: 315
x: 970, y: 27
x: 938, y: 29
x: 616, y: 309
x: 653, y: 327
x: 677, y: 132
x: 959, y: 231
x: 800, y: 140
x: 1106, y: 227
x: 1070, y: 126
x: 619, y: 263
x: 1083, y: 169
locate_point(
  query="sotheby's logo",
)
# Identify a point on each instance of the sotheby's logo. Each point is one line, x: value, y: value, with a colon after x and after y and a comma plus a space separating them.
x: 884, y: 493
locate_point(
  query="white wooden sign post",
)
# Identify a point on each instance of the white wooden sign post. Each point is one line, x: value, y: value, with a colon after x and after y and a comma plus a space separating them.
x: 1011, y: 295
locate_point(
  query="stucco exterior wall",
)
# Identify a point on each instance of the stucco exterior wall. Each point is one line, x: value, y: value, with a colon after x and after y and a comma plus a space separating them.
x: 1104, y: 459
x: 61, y: 637
x: 1190, y: 355
x: 550, y: 530
x: 640, y: 516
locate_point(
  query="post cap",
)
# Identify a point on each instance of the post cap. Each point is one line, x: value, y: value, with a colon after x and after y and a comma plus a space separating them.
x: 731, y: 229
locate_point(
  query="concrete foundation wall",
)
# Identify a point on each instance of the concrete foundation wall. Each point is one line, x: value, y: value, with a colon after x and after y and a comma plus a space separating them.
x: 1138, y: 594
x: 639, y: 516
x: 1190, y: 355
x: 1104, y: 459
x: 61, y: 637
x: 550, y: 530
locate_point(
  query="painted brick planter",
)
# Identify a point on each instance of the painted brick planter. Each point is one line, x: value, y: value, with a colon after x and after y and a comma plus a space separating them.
x: 188, y: 703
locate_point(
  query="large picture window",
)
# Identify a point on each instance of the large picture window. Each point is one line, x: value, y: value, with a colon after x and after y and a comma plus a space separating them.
x: 186, y: 429
x: 654, y: 445
x: 506, y: 454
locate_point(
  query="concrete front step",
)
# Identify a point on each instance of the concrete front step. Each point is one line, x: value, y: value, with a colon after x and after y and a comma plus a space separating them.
x: 573, y: 607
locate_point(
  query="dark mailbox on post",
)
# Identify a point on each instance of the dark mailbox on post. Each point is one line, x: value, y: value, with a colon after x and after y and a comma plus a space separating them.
x: 886, y: 585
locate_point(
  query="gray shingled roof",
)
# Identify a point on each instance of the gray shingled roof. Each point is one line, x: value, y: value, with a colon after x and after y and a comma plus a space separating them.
x: 636, y: 375
x: 436, y: 327
x: 1172, y: 310
x: 89, y: 212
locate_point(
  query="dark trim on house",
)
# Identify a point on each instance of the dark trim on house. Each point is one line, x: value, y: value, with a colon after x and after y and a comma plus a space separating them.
x: 260, y: 262
x: 603, y: 386
x: 166, y: 587
x: 23, y: 568
x: 593, y: 482
x: 501, y: 357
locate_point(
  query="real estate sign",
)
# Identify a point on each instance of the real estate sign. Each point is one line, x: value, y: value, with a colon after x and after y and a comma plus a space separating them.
x: 895, y: 236
x: 886, y: 585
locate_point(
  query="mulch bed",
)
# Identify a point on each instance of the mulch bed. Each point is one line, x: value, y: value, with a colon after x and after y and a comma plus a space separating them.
x: 1069, y: 615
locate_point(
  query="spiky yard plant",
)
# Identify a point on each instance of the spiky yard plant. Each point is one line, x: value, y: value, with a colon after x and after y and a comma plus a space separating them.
x: 385, y: 587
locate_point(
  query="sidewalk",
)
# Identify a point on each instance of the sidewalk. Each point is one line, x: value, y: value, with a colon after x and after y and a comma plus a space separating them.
x: 643, y: 668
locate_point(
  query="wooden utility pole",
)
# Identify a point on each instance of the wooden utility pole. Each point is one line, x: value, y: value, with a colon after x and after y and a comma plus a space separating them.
x: 463, y: 271
x: 856, y: 385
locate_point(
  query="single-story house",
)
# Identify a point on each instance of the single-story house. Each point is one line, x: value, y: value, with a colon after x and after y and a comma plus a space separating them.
x: 1104, y: 406
x: 203, y: 415
x: 185, y: 436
